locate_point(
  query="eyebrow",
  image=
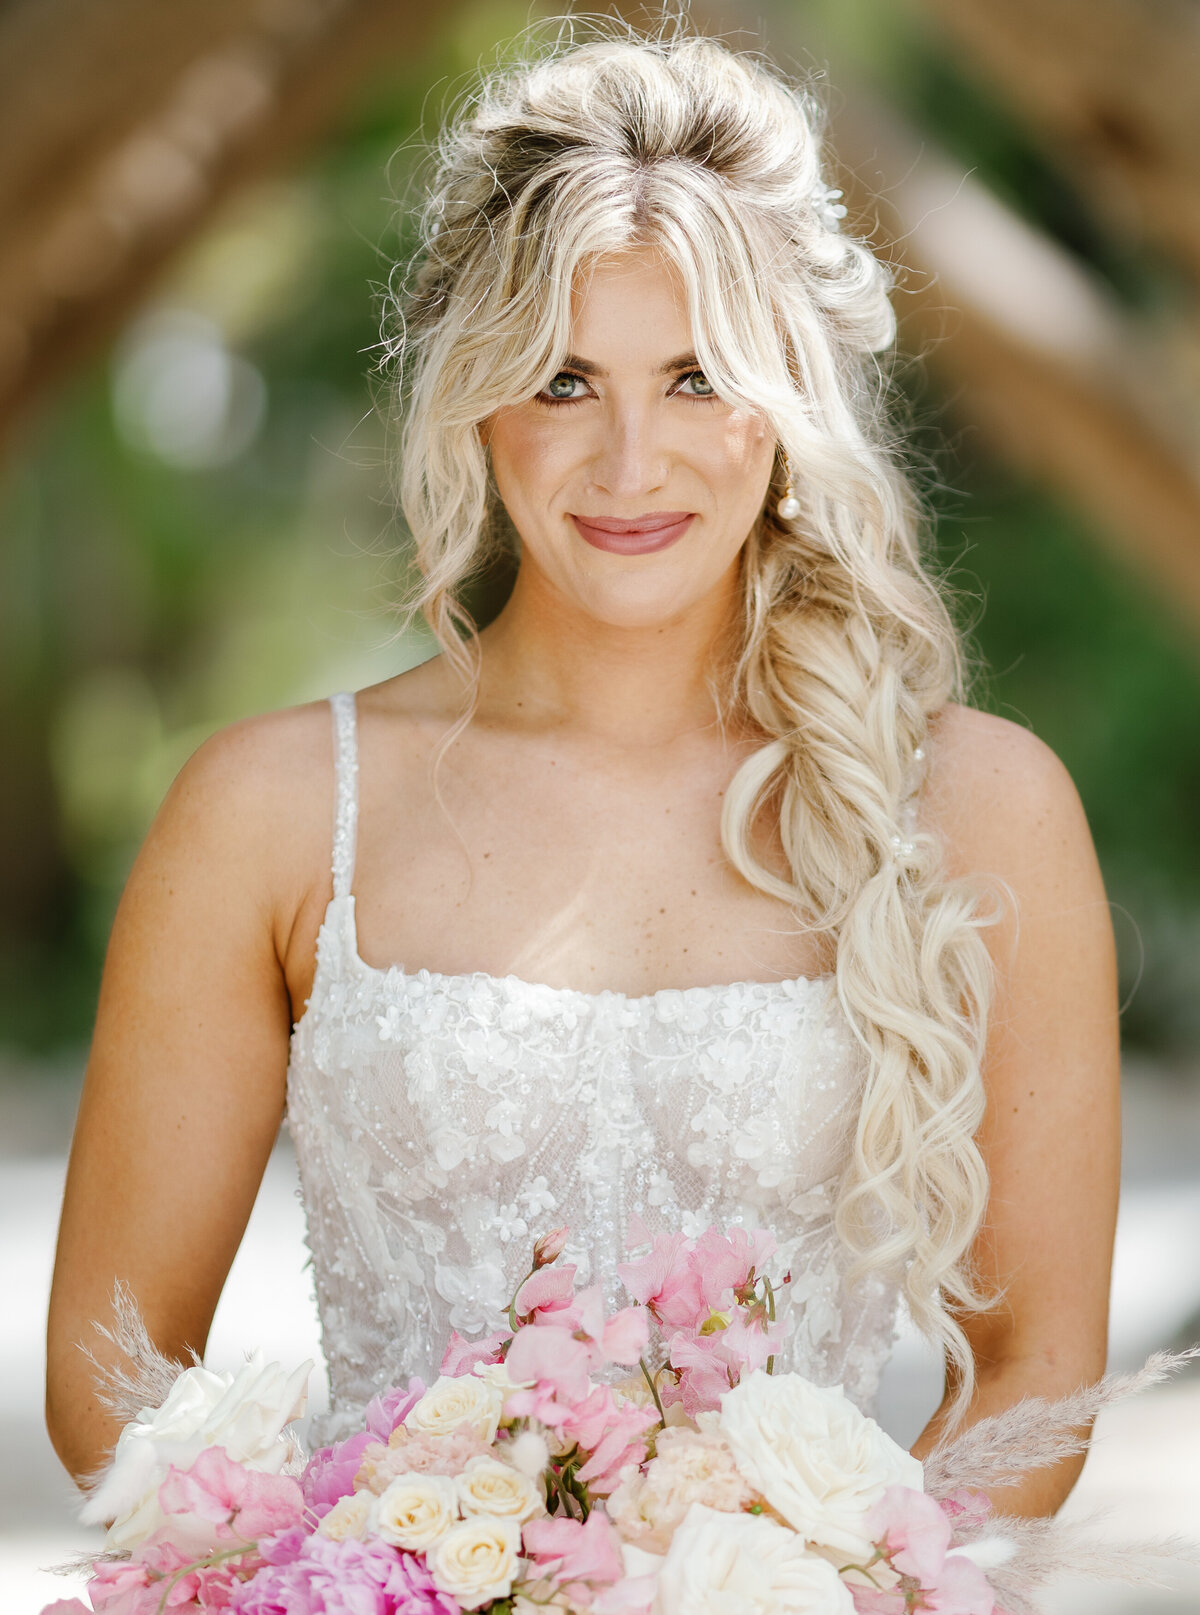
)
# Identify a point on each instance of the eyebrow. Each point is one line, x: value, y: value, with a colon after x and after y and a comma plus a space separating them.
x: 585, y: 367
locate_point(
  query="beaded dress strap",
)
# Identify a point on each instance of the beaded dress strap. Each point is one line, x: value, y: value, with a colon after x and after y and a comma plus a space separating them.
x: 345, y: 829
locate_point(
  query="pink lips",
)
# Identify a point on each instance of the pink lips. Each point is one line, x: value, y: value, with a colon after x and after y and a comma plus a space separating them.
x: 642, y: 536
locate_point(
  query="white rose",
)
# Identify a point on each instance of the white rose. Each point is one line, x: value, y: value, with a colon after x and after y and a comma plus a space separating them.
x: 415, y: 1511
x: 476, y: 1560
x: 814, y: 1457
x: 486, y: 1486
x: 245, y: 1412
x: 454, y: 1404
x: 721, y: 1562
x: 349, y: 1517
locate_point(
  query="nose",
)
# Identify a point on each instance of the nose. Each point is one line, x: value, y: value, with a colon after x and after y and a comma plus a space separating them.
x: 630, y: 459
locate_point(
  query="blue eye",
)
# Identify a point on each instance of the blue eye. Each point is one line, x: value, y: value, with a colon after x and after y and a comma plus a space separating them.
x: 708, y: 390
x: 561, y: 388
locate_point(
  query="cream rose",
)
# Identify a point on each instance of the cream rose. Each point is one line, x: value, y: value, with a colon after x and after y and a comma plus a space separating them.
x: 486, y: 1486
x: 476, y: 1560
x: 415, y: 1511
x: 450, y: 1404
x: 815, y: 1458
x: 719, y: 1562
x: 245, y: 1412
x: 349, y: 1517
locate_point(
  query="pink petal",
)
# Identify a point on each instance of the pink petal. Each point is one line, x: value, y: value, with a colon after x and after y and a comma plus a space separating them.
x: 547, y: 1290
x: 625, y: 1336
x: 461, y: 1356
x: 913, y: 1532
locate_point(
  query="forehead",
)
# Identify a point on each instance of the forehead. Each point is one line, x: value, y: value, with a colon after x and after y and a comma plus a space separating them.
x: 629, y: 310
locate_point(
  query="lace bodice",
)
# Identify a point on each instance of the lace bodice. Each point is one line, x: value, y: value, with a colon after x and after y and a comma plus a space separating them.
x: 442, y: 1122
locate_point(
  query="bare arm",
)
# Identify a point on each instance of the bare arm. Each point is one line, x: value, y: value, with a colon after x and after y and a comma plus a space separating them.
x: 1051, y: 1137
x: 185, y: 1084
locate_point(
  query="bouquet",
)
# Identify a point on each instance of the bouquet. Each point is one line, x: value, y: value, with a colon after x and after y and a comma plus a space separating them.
x: 649, y: 1462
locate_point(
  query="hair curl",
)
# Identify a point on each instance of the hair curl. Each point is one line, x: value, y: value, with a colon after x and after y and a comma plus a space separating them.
x: 847, y: 647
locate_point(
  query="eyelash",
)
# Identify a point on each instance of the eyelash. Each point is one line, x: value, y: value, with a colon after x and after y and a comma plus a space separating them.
x: 558, y: 403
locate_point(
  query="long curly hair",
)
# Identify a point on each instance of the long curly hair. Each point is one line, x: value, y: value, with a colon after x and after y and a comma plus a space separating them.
x: 846, y: 645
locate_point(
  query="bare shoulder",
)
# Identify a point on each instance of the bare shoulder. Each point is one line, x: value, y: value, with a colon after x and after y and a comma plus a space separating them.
x: 1002, y: 800
x: 253, y: 806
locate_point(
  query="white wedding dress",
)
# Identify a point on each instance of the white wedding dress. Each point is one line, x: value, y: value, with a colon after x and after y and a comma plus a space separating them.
x: 442, y: 1122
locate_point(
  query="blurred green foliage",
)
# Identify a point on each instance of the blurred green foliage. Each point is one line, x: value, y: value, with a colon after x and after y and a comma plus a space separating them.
x: 143, y: 604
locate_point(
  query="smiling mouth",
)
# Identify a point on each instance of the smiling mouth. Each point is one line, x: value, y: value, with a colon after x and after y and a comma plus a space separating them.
x: 640, y: 536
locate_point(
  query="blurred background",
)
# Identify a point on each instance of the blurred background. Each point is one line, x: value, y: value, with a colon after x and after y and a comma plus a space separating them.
x: 200, y: 209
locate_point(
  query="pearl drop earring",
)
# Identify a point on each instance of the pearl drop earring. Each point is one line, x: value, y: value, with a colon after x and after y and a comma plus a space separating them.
x: 789, y: 506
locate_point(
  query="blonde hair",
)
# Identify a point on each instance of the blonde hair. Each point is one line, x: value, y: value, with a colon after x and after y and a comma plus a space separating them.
x: 846, y: 648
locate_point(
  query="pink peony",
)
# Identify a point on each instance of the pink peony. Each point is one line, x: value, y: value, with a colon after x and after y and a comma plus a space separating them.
x: 329, y: 1473
x: 573, y: 1550
x: 343, y: 1578
x: 391, y: 1407
x: 912, y: 1531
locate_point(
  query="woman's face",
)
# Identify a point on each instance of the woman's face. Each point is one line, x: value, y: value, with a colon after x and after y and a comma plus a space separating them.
x: 633, y: 487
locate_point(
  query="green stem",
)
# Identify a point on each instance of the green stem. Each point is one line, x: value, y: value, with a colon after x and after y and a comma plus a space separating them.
x: 649, y: 1378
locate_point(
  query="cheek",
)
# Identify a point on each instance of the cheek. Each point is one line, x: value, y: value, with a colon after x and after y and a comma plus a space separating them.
x: 528, y: 461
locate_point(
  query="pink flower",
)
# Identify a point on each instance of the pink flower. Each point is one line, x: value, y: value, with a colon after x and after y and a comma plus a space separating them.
x: 667, y: 1283
x: 912, y: 1531
x: 725, y: 1262
x: 549, y: 1291
x: 391, y: 1407
x: 461, y: 1355
x: 550, y: 1247
x: 552, y: 1357
x: 703, y: 1371
x: 415, y: 1453
x: 244, y: 1504
x: 966, y: 1510
x: 329, y: 1473
x: 961, y: 1589
x: 343, y: 1578
x: 873, y: 1601
x: 574, y: 1550
x: 66, y: 1606
x: 625, y: 1336
x: 612, y: 1433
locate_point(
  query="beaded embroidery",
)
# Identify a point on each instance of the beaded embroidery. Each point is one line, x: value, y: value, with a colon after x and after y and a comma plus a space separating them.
x: 441, y: 1122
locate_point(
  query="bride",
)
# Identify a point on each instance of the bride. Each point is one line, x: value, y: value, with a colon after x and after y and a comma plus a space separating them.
x: 687, y: 891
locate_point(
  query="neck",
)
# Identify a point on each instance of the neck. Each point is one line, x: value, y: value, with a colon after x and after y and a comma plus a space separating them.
x: 547, y: 662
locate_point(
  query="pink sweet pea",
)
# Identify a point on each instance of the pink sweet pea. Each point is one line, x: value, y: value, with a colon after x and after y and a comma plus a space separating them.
x: 625, y: 1336
x: 912, y: 1531
x: 725, y: 1263
x: 966, y: 1510
x: 667, y: 1283
x: 703, y: 1370
x: 544, y: 1294
x: 961, y: 1589
x: 575, y: 1550
x: 551, y: 1357
x: 612, y: 1433
x: 461, y: 1355
x: 243, y: 1504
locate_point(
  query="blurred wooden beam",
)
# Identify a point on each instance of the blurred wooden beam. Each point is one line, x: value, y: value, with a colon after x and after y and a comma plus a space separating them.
x: 1029, y: 348
x: 1113, y: 88
x: 125, y: 123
